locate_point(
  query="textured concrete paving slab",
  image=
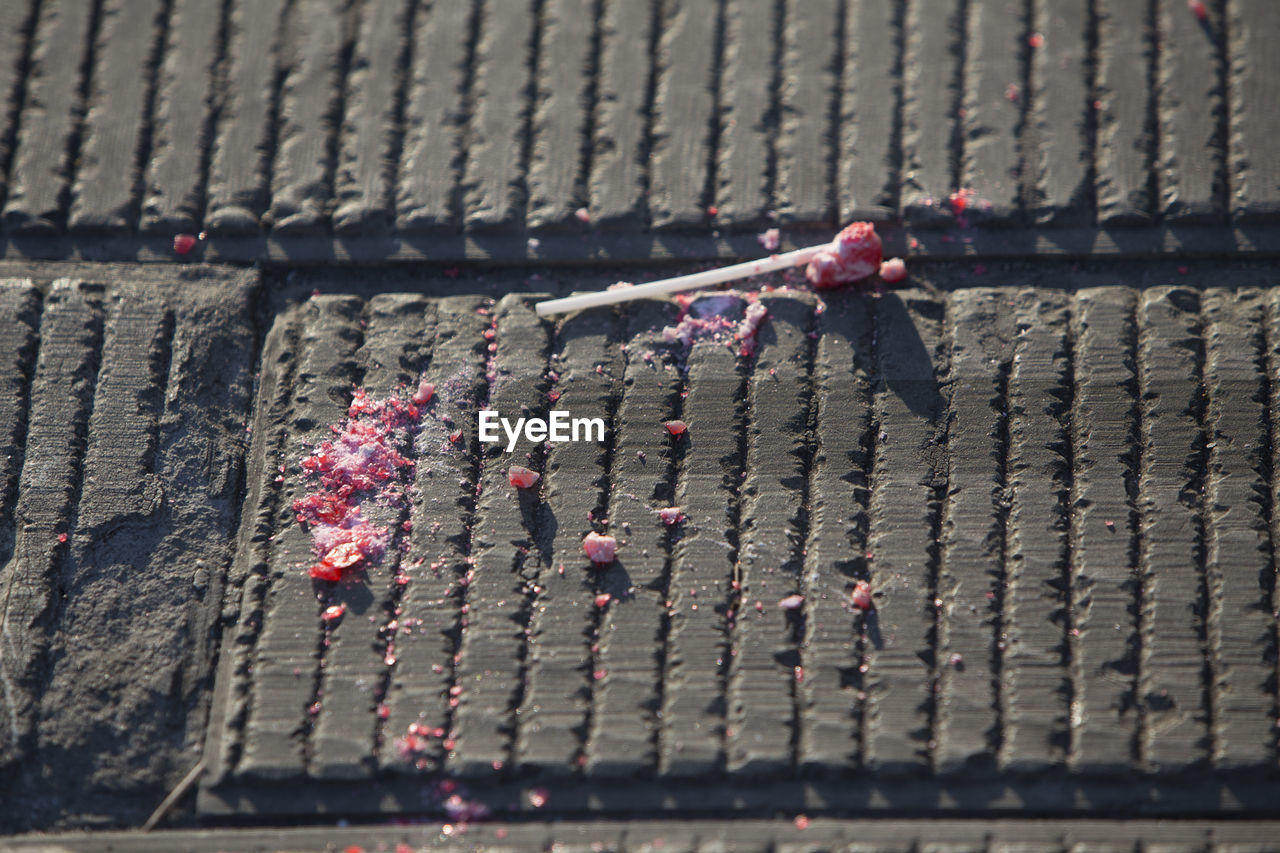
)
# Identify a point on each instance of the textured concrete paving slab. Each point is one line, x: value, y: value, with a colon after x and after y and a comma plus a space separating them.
x: 126, y: 401
x: 1062, y: 500
x: 625, y: 129
x: 750, y: 836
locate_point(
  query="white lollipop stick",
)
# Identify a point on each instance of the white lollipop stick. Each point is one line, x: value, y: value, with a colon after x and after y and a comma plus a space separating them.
x: 679, y: 283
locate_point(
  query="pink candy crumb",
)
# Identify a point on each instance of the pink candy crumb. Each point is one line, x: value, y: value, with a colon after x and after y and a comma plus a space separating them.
x: 893, y: 270
x: 599, y: 548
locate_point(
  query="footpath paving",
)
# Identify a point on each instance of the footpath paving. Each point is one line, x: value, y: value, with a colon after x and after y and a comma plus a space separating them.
x: 1062, y: 499
x: 632, y: 129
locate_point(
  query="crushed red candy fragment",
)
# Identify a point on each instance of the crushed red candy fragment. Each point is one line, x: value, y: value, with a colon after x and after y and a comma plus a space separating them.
x: 893, y: 270
x: 62, y: 537
x: 1199, y: 9
x: 791, y: 602
x: 600, y: 548
x: 770, y: 238
x: 801, y: 822
x: 603, y: 599
x: 670, y: 515
x: 425, y: 392
x: 853, y: 255
x: 676, y: 427
x: 522, y: 478
x: 1035, y: 40
x: 333, y: 612
x: 183, y: 243
x: 861, y: 596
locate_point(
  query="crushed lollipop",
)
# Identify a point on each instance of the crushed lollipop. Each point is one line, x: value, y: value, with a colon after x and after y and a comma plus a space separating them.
x: 853, y: 255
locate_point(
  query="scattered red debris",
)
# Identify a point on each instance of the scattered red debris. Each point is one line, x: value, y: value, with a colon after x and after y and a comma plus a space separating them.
x: 600, y: 548
x: 425, y: 392
x: 801, y: 822
x: 62, y: 537
x: 676, y: 428
x: 1199, y: 9
x: 861, y: 596
x: 791, y: 602
x: 361, y: 461
x: 670, y: 515
x: 333, y: 612
x: 583, y: 215
x: 893, y: 270
x: 1035, y: 40
x: 960, y: 200
x: 183, y: 243
x: 523, y: 478
x: 603, y: 599
x: 770, y: 238
x: 853, y: 255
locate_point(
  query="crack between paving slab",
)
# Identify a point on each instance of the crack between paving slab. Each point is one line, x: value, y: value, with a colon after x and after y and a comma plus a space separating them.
x: 18, y: 99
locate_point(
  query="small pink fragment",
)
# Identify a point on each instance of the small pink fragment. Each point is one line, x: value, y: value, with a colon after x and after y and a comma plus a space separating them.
x: 676, y: 427
x: 333, y: 612
x: 771, y: 239
x: 603, y: 599
x: 861, y: 596
x: 522, y: 478
x: 538, y: 797
x: 957, y: 659
x: 670, y: 515
x: 425, y: 392
x: 583, y: 215
x: 893, y: 270
x: 853, y: 255
x: 1035, y: 40
x: 713, y: 211
x: 1111, y: 525
x: 62, y: 537
x: 1012, y: 93
x: 791, y: 602
x: 455, y: 436
x: 1198, y: 9
x: 599, y: 548
x: 184, y: 243
x: 801, y: 822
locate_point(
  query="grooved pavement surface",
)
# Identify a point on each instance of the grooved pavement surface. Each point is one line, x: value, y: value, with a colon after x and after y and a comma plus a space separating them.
x: 627, y: 129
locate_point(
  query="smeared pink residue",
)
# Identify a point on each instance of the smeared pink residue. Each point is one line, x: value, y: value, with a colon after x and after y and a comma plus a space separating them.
x: 361, y: 462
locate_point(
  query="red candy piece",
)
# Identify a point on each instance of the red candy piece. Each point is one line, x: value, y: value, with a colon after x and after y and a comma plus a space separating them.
x: 424, y: 393
x: 853, y: 255
x: 676, y: 427
x: 334, y: 612
x: 861, y: 596
x: 893, y: 270
x: 670, y: 515
x: 522, y: 478
x: 600, y: 548
x: 1198, y: 9
x: 184, y: 243
x: 603, y: 599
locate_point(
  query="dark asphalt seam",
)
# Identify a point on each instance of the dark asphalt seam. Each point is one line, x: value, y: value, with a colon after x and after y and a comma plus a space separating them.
x: 1026, y: 140
x: 475, y: 452
x: 18, y: 99
x: 530, y: 110
x: 1153, y: 134
x: 1090, y: 114
x: 871, y: 443
x: 1267, y: 368
x: 1075, y: 589
x: 214, y: 103
x: 773, y: 114
x: 79, y: 111
x: 466, y: 134
x: 1221, y: 144
x: 1198, y: 491
x: 1002, y: 494
x: 650, y: 102
x: 404, y: 82
x: 674, y: 474
x: 834, y: 111
x: 336, y: 115
x: 395, y: 591
x: 1066, y: 416
x: 602, y: 514
x: 960, y: 52
x: 897, y: 150
x: 1141, y: 462
x: 939, y: 508
x: 803, y: 525
x: 717, y: 106
x: 271, y: 139
x: 258, y: 546
x: 325, y: 634
x: 591, y: 106
x: 146, y: 133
